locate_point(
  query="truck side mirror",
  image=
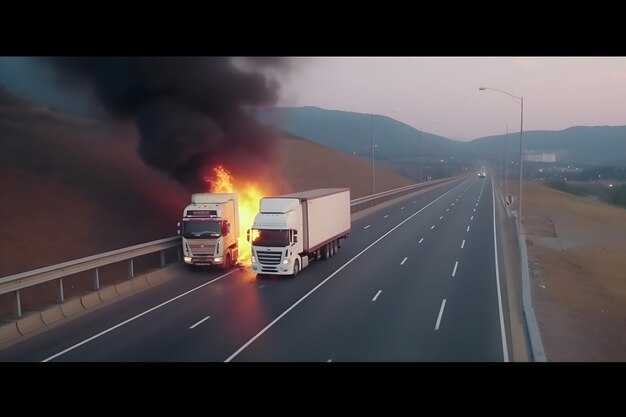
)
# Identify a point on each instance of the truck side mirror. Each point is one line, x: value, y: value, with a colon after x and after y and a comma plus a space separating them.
x: 224, y: 228
x: 248, y: 235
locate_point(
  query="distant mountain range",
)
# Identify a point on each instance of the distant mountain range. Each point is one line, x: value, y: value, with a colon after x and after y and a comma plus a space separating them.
x: 581, y: 144
x: 397, y: 142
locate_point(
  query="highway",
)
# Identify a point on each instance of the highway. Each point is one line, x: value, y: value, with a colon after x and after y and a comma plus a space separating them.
x: 416, y: 281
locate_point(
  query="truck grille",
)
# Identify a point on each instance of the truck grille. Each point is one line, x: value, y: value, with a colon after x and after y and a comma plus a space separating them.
x: 198, y: 249
x: 269, y: 258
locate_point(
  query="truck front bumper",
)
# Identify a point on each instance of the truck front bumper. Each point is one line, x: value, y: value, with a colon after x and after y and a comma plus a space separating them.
x: 203, y: 261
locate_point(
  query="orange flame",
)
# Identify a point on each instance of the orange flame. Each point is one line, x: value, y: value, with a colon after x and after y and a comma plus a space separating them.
x: 248, y: 195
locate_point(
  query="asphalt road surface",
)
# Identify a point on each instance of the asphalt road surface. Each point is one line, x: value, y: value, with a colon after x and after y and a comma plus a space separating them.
x: 416, y: 281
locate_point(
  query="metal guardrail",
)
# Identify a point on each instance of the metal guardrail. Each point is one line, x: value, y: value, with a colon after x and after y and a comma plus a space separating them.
x: 15, y: 283
x: 531, y: 327
x: 530, y: 320
x: 374, y: 199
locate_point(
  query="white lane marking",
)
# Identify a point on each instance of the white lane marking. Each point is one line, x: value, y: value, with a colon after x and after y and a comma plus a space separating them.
x: 200, y: 322
x: 474, y: 209
x: 476, y: 204
x: 462, y: 243
x: 447, y: 209
x: 386, y: 215
x: 472, y: 218
x: 305, y: 296
x: 452, y: 203
x: 443, y: 305
x: 454, y: 270
x: 377, y: 294
x: 440, y: 217
x: 134, y: 317
x: 367, y: 226
x: 401, y: 208
x: 505, y: 350
x: 467, y: 229
x: 432, y: 227
x: 404, y: 260
x: 481, y: 190
x: 421, y: 240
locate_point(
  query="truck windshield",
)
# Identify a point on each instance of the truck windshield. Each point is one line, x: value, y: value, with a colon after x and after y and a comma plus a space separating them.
x: 265, y: 237
x: 201, y: 229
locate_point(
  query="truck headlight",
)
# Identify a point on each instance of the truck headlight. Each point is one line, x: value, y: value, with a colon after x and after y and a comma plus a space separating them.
x: 218, y: 259
x: 285, y: 261
x: 187, y: 259
x: 253, y: 260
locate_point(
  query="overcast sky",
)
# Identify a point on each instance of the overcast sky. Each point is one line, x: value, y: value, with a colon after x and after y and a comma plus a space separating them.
x: 559, y: 92
x: 438, y: 93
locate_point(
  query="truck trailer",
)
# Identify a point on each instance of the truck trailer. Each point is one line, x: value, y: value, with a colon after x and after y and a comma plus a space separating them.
x: 210, y: 227
x: 292, y: 230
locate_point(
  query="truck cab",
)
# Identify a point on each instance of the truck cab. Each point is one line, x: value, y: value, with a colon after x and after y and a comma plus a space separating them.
x: 275, y: 237
x: 209, y: 230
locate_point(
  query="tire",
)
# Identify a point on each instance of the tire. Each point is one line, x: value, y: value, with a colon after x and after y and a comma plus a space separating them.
x: 326, y: 252
x: 332, y: 248
x: 227, y: 262
x: 318, y: 254
x: 296, y: 267
x: 336, y: 243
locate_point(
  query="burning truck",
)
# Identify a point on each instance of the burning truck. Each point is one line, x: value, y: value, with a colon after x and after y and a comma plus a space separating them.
x: 210, y: 230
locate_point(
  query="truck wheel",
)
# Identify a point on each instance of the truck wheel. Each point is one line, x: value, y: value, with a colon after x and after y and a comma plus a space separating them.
x: 318, y: 254
x: 227, y: 262
x: 326, y: 252
x: 296, y: 268
x: 336, y: 244
x: 332, y: 248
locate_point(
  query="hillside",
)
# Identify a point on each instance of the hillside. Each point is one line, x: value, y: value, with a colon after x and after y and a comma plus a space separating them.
x: 397, y: 144
x: 576, y: 253
x: 581, y: 144
x: 73, y: 187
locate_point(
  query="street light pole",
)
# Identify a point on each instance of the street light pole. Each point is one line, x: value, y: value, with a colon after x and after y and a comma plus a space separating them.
x: 419, y: 160
x: 506, y: 163
x: 521, y: 129
x: 373, y: 169
x: 521, y: 158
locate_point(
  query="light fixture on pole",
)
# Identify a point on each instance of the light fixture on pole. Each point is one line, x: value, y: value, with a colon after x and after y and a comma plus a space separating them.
x: 419, y: 160
x: 521, y: 129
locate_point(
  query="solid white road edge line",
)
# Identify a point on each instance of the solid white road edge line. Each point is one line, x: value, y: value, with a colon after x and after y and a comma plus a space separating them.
x: 505, y: 350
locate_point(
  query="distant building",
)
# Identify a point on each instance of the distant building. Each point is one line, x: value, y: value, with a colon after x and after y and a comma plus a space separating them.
x: 539, y: 156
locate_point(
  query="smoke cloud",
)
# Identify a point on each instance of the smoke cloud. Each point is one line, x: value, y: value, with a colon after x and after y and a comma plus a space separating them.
x: 190, y: 112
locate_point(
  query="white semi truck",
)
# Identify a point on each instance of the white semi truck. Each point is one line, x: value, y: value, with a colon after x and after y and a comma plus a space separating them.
x: 293, y: 229
x: 210, y: 227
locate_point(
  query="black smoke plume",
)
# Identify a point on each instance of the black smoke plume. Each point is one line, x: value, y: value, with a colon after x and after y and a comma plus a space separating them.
x: 190, y: 112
